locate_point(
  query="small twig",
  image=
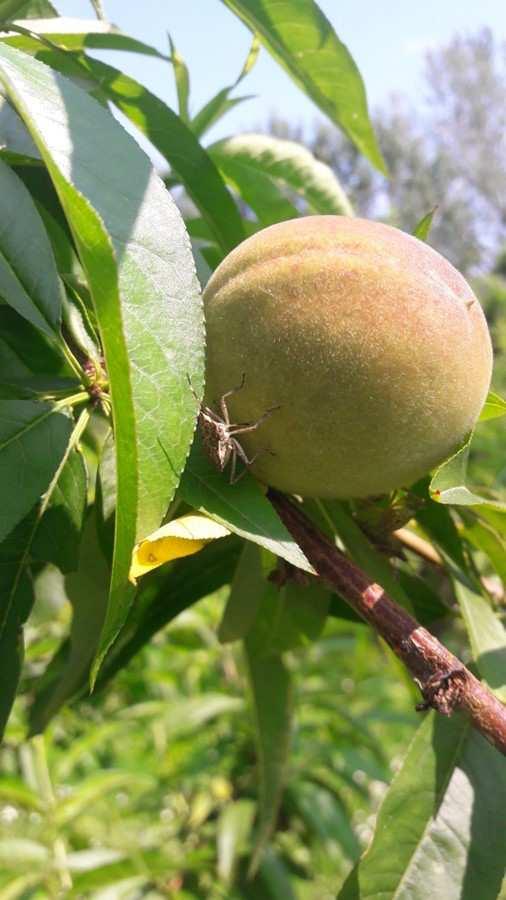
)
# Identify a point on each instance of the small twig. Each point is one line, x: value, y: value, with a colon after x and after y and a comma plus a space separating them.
x: 446, y: 684
x: 418, y: 545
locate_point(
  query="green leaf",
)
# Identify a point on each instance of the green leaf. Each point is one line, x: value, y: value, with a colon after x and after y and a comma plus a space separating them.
x: 257, y: 156
x: 493, y: 408
x: 25, y: 351
x: 221, y: 103
x: 242, y: 507
x: 33, y: 439
x: 289, y: 617
x: 437, y: 523
x: 434, y: 834
x: 19, y: 596
x: 87, y: 590
x: 28, y: 281
x: 264, y: 197
x: 271, y: 695
x: 174, y: 140
x: 16, y: 144
x: 234, y: 827
x: 94, y: 788
x: 75, y: 34
x: 162, y: 597
x: 362, y: 550
x: 144, y: 289
x: 58, y: 533
x: 422, y: 230
x: 182, y: 78
x: 487, y: 637
x: 14, y: 790
x: 21, y: 852
x: 245, y: 595
x: 448, y: 484
x: 325, y: 818
x: 26, y: 9
x: 302, y: 40
x: 273, y: 880
x: 484, y: 537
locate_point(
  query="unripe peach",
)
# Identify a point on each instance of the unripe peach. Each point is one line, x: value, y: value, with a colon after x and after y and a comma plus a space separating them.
x: 373, y: 346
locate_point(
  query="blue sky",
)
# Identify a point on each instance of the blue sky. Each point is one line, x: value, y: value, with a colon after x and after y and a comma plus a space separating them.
x: 387, y: 41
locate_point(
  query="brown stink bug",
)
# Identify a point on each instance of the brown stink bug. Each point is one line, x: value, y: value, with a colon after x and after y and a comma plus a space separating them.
x: 219, y: 434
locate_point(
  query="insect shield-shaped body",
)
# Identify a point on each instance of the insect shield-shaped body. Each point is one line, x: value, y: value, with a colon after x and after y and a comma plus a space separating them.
x: 218, y: 435
x: 215, y: 436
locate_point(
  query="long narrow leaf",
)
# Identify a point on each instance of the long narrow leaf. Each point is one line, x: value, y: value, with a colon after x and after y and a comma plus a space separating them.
x: 288, y: 163
x: 436, y: 833
x: 299, y: 36
x: 144, y: 289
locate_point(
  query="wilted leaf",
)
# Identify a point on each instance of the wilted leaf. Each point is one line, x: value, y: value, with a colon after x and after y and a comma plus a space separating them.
x: 180, y: 537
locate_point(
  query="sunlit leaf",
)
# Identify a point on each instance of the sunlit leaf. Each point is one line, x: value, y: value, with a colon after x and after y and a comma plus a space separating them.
x: 221, y: 103
x: 448, y: 484
x: 362, y: 551
x: 144, y: 289
x: 247, y: 157
x: 424, y: 226
x: 487, y: 636
x: 245, y: 596
x: 180, y: 537
x: 174, y: 140
x: 241, y: 507
x: 75, y: 34
x: 182, y: 78
x: 436, y: 834
x: 493, y: 408
x: 271, y: 693
x: 299, y: 36
x: 234, y: 827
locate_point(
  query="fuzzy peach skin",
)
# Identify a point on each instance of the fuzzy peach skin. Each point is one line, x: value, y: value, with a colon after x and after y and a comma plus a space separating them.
x: 372, y: 344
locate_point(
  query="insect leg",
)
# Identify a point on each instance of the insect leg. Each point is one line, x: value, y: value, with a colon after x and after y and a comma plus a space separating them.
x: 223, y: 400
x: 251, y: 426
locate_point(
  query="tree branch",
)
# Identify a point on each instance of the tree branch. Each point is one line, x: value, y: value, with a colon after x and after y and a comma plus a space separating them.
x: 446, y: 684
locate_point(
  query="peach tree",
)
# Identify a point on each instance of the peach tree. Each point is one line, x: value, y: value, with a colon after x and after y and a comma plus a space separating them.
x: 105, y: 478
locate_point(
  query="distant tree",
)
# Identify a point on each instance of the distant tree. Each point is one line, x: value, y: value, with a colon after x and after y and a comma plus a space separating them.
x: 450, y: 154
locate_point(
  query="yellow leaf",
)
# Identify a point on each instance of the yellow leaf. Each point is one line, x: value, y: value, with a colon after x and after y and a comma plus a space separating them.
x: 178, y: 538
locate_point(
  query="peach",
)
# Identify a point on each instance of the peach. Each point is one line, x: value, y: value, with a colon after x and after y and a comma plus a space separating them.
x: 373, y: 346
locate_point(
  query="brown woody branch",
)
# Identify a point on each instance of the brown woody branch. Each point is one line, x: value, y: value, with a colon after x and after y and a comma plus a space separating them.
x: 446, y: 684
